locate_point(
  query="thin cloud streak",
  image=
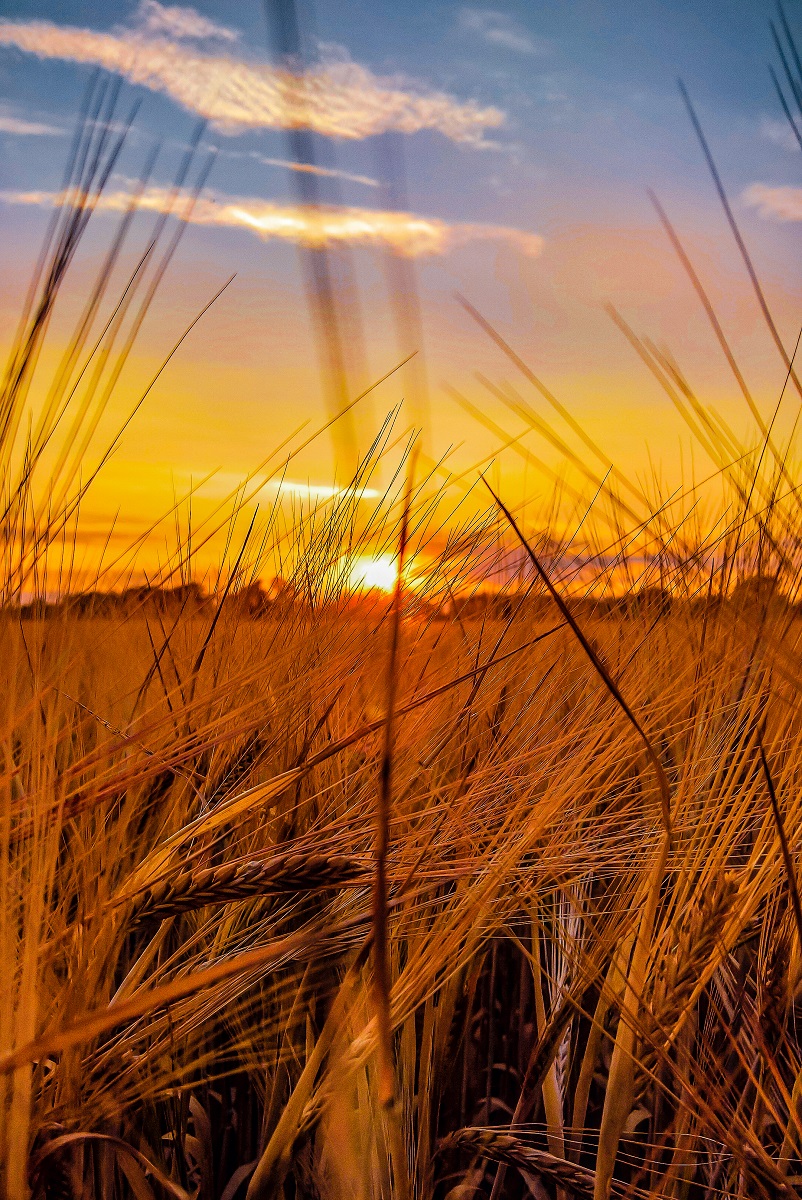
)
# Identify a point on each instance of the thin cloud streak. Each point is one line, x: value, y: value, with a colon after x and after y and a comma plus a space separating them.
x: 313, y: 169
x: 782, y: 203
x: 20, y: 127
x: 499, y: 29
x: 339, y: 99
x: 404, y: 233
x: 224, y: 483
x: 320, y: 491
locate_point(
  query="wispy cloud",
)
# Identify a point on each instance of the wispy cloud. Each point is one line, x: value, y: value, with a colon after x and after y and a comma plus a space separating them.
x: 22, y: 127
x: 338, y: 99
x: 326, y: 172
x: 156, y: 20
x: 499, y: 29
x: 782, y: 203
x: 285, y: 164
x: 404, y: 233
x: 223, y: 483
x: 779, y: 132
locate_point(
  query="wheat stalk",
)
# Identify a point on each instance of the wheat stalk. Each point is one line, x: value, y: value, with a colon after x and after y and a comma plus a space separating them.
x: 696, y: 945
x: 286, y: 874
x: 504, y: 1148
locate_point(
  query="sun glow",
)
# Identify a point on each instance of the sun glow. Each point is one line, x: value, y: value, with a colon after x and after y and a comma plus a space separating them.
x: 367, y: 574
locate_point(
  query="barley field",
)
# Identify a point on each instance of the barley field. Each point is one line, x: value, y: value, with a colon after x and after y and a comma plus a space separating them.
x: 437, y: 890
x: 588, y: 909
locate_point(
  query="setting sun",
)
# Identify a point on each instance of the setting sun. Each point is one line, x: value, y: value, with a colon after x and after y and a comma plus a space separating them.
x: 373, y: 574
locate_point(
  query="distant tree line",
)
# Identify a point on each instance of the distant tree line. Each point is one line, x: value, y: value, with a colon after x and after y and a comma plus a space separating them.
x: 255, y: 600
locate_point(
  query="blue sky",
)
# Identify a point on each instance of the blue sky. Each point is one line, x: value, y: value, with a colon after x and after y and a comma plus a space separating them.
x: 588, y: 88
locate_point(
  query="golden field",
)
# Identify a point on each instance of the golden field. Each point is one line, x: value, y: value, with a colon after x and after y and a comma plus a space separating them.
x: 188, y: 919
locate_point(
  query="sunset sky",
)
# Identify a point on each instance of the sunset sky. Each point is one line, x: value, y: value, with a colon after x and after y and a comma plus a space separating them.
x: 528, y: 135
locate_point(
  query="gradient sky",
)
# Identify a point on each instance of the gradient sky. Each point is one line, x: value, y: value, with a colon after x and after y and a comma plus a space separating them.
x: 529, y: 134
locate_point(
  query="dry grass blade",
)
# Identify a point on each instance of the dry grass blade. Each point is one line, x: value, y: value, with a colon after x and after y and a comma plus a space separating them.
x: 619, y: 1094
x: 739, y: 241
x: 788, y: 862
x: 381, y: 967
x: 600, y: 668
x: 57, y: 1145
x: 94, y: 1023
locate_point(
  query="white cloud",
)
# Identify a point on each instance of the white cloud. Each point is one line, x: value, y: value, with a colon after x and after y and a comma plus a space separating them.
x: 779, y: 132
x: 22, y: 127
x: 782, y: 203
x: 338, y: 98
x: 498, y: 29
x: 404, y: 233
x: 182, y: 24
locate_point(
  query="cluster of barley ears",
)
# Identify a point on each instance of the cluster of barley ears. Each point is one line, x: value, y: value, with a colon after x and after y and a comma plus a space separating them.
x: 444, y: 893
